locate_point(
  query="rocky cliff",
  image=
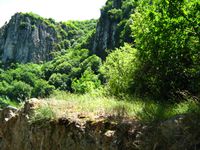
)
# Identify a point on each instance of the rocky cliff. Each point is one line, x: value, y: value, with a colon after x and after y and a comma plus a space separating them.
x: 113, y: 28
x: 31, y: 38
x: 26, y: 39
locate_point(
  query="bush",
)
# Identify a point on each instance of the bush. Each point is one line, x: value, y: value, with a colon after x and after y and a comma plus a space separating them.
x: 42, y: 89
x: 88, y: 82
x: 118, y: 70
x: 4, y: 88
x: 19, y: 91
x: 115, y: 14
x: 93, y: 62
x: 60, y: 81
x: 64, y: 67
x: 23, y: 25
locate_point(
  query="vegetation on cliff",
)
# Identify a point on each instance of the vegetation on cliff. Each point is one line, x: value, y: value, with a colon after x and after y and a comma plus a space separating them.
x: 27, y: 37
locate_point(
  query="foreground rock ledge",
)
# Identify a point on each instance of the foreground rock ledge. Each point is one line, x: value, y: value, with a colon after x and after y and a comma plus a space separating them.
x: 17, y: 133
x: 108, y: 133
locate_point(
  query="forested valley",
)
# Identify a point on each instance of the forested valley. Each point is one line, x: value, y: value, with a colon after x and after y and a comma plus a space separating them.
x: 139, y: 61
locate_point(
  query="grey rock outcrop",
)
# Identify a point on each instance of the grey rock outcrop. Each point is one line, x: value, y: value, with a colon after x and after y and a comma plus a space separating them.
x: 26, y: 39
x: 113, y: 28
x: 105, y: 37
x: 18, y: 133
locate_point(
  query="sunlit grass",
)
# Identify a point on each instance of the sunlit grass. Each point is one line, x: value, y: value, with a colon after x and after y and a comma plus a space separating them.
x: 42, y: 113
x: 62, y: 104
x: 66, y: 104
x: 153, y: 111
x: 90, y: 103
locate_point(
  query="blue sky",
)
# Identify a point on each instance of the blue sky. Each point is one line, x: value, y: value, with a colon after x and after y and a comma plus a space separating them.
x: 60, y: 10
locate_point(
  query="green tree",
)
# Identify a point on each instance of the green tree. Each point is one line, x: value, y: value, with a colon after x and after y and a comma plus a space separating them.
x: 4, y: 88
x: 70, y: 65
x: 60, y: 81
x: 118, y: 69
x: 63, y: 67
x: 88, y: 82
x: 93, y: 62
x: 19, y: 91
x: 167, y: 37
x: 42, y: 89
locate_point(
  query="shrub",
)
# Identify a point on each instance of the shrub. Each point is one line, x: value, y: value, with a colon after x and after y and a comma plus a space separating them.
x: 115, y: 14
x: 60, y: 81
x: 118, y: 69
x: 88, y: 82
x: 19, y: 90
x: 93, y: 62
x: 4, y: 87
x: 64, y: 67
x: 42, y: 89
x: 23, y: 25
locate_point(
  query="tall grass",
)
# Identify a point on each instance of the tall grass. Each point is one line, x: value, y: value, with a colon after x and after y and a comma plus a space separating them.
x: 144, y: 110
x: 92, y: 103
x: 62, y: 104
x: 41, y: 114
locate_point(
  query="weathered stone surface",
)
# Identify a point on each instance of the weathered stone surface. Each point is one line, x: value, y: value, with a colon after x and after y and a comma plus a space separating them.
x: 25, y: 39
x: 172, y: 126
x: 65, y: 133
x: 18, y: 133
x: 177, y: 133
x: 113, y: 28
x: 105, y: 37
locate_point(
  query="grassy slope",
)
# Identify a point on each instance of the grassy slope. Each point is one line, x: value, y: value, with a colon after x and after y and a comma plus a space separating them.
x: 92, y: 106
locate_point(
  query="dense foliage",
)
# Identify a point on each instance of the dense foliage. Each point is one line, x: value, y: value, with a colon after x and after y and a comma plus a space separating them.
x: 167, y: 37
x: 166, y: 64
x: 75, y: 71
x: 118, y: 70
x: 74, y: 34
x: 23, y: 81
x: 73, y: 66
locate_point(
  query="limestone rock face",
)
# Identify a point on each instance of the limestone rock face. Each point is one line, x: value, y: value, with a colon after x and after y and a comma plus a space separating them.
x: 114, y: 26
x: 106, y: 31
x: 26, y: 39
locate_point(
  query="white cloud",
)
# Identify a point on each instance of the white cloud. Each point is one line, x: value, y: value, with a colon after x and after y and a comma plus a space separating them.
x: 56, y: 9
